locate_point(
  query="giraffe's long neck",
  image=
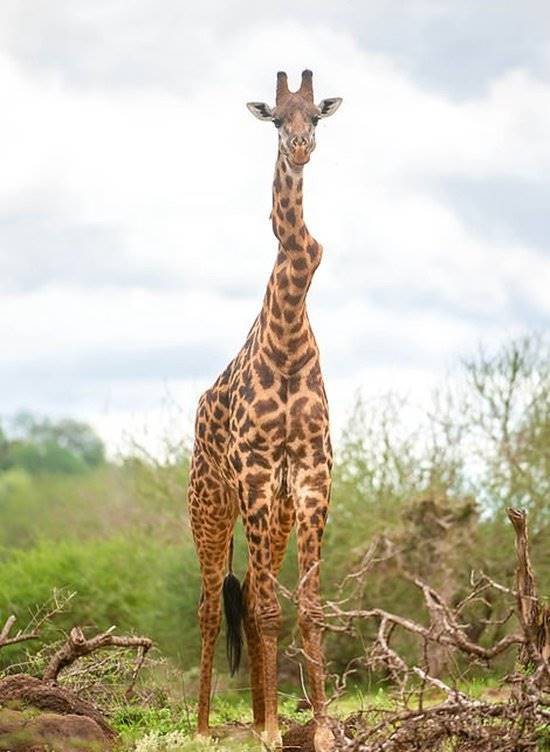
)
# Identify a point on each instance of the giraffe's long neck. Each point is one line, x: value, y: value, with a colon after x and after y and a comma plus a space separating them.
x: 285, y: 327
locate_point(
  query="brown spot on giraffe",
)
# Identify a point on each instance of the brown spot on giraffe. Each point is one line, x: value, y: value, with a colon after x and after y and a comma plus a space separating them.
x: 262, y: 449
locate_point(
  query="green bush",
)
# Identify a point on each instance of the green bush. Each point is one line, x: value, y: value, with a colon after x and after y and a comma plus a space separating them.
x: 40, y: 445
x: 118, y: 535
x: 136, y: 583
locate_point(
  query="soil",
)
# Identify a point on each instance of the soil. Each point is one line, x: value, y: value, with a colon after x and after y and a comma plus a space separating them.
x: 299, y: 738
x: 36, y: 716
x: 50, y: 732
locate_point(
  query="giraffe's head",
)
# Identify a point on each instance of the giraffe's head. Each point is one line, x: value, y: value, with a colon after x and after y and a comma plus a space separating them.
x: 295, y: 116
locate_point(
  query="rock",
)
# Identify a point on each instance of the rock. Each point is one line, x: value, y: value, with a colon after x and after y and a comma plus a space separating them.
x: 36, y: 716
x: 32, y: 691
x: 21, y: 731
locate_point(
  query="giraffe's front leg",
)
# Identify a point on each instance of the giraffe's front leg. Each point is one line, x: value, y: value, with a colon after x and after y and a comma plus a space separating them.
x: 281, y: 523
x: 255, y: 657
x: 312, y: 492
x: 255, y: 507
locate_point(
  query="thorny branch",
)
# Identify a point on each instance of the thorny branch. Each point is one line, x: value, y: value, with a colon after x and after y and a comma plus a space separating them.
x: 533, y: 616
x: 57, y: 603
x: 469, y: 724
x: 77, y: 646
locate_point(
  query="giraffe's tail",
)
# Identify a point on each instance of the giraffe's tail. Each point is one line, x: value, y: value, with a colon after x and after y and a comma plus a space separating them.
x: 233, y: 605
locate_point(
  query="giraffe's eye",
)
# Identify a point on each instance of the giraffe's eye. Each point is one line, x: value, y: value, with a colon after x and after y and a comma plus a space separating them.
x: 315, y: 119
x: 277, y: 122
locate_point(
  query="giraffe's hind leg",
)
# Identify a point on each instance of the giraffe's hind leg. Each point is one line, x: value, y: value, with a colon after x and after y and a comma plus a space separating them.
x: 212, y: 514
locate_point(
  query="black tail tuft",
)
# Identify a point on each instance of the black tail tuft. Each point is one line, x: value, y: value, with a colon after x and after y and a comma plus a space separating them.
x: 233, y: 607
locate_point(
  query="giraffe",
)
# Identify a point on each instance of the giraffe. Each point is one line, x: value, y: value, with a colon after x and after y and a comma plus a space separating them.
x: 262, y: 449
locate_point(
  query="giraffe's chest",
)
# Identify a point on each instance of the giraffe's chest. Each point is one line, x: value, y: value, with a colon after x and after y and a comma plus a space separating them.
x: 279, y: 426
x: 257, y: 420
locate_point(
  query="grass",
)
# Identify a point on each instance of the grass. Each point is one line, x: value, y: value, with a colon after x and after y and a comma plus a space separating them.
x: 154, y: 730
x: 172, y: 728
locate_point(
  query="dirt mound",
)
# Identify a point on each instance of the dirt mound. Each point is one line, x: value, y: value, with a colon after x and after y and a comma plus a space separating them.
x: 68, y: 722
x: 31, y: 691
x: 50, y: 732
x: 299, y: 738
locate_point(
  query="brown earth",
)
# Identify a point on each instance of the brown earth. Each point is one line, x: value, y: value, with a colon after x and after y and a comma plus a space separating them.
x: 299, y: 738
x: 36, y: 716
x: 50, y: 732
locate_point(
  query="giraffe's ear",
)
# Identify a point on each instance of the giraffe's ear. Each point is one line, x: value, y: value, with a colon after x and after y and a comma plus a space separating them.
x: 260, y: 110
x: 329, y: 106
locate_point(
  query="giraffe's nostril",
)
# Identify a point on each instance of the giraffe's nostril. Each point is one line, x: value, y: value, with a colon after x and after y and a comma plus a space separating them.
x: 297, y: 141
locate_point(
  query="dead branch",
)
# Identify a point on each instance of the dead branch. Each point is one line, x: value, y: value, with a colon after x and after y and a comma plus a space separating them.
x: 6, y: 629
x: 369, y: 560
x: 454, y: 637
x: 533, y: 616
x: 57, y: 603
x: 445, y: 626
x: 140, y: 659
x: 20, y: 636
x: 451, y: 692
x: 470, y: 724
x: 77, y: 646
x: 381, y: 651
x: 459, y: 722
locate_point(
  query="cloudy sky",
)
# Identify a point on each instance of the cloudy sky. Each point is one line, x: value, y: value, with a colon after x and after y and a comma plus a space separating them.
x: 135, y: 192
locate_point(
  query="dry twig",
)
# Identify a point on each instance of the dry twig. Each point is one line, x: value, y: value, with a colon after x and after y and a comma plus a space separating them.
x: 466, y: 724
x: 57, y: 603
x: 77, y: 646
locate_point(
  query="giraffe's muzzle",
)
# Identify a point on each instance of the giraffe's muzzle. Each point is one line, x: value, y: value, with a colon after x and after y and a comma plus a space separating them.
x: 300, y: 157
x: 300, y: 148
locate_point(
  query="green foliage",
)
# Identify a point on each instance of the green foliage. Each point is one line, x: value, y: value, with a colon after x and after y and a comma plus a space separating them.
x: 135, y: 721
x: 35, y: 445
x: 133, y: 582
x: 117, y: 534
x: 544, y: 738
x: 173, y: 726
x: 509, y: 410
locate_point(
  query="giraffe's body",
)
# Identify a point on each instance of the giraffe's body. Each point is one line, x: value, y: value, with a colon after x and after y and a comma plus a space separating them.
x: 262, y: 452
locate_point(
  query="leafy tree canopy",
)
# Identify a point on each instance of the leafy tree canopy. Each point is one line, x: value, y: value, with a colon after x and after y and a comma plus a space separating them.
x: 41, y: 445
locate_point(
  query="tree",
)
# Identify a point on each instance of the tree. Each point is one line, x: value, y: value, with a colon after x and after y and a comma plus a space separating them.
x: 41, y: 445
x: 4, y: 451
x: 508, y: 412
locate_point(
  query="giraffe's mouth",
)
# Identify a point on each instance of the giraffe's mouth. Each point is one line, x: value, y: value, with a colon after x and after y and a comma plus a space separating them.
x: 301, y: 160
x: 297, y: 157
x: 300, y: 156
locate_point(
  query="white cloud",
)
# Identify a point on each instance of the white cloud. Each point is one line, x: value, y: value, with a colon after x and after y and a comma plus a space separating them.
x: 180, y: 183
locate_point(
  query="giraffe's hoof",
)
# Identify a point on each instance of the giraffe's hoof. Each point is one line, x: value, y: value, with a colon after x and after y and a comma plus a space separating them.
x: 272, y: 741
x: 323, y: 741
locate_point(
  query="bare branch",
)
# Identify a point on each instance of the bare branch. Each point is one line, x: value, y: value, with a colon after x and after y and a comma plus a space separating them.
x: 459, y: 721
x: 534, y: 617
x: 6, y: 629
x: 77, y: 646
x: 57, y: 604
x: 453, y: 637
x: 453, y: 693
